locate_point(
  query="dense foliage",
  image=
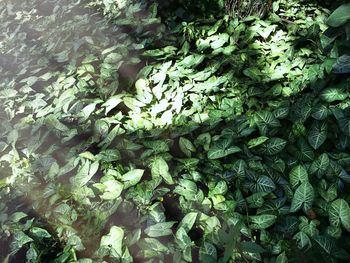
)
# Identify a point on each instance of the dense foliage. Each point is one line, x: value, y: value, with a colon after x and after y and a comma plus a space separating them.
x: 137, y: 131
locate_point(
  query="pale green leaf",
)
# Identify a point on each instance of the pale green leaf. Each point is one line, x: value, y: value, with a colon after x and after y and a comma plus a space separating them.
x: 160, y: 168
x: 113, y: 241
x: 339, y: 213
x: 160, y: 229
x: 303, y: 197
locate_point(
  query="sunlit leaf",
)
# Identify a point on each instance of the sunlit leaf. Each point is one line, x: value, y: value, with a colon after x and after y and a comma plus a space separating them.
x: 160, y: 168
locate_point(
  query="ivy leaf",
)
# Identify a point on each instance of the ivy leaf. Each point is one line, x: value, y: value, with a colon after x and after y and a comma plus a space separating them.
x: 160, y: 168
x: 339, y: 213
x: 303, y: 196
x: 262, y: 221
x: 317, y: 134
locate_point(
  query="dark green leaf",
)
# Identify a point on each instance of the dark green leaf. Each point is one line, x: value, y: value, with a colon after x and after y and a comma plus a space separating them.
x: 339, y: 16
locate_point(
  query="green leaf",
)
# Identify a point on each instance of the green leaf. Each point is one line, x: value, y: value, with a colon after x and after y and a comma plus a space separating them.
x: 157, y: 146
x: 251, y: 247
x: 264, y: 184
x: 327, y: 245
x: 219, y: 189
x: 39, y: 232
x: 306, y: 152
x: 87, y: 155
x: 215, y: 27
x: 160, y: 229
x: 111, y: 103
x: 320, y: 112
x: 320, y: 165
x: 343, y: 120
x: 113, y: 241
x: 339, y: 213
x: 184, y: 242
x: 19, y: 240
x: 186, y: 188
x: 268, y: 118
x: 282, y: 112
x: 298, y: 175
x: 262, y: 221
x: 253, y: 73
x: 188, y: 221
x: 302, y: 239
x: 340, y: 16
x: 186, y: 146
x: 222, y: 149
x: 335, y: 93
x: 208, y: 253
x: 17, y: 216
x: 218, y: 41
x: 160, y: 168
x: 273, y: 146
x: 257, y: 141
x: 192, y: 61
x: 303, y: 197
x: 113, y: 190
x: 342, y: 65
x: 317, y: 134
x: 333, y: 231
x: 132, y: 177
x: 204, y: 139
x: 86, y: 172
x: 282, y: 258
x: 101, y: 127
x: 152, y: 246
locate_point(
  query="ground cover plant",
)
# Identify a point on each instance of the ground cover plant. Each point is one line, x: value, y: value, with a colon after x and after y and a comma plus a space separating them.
x: 186, y: 131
